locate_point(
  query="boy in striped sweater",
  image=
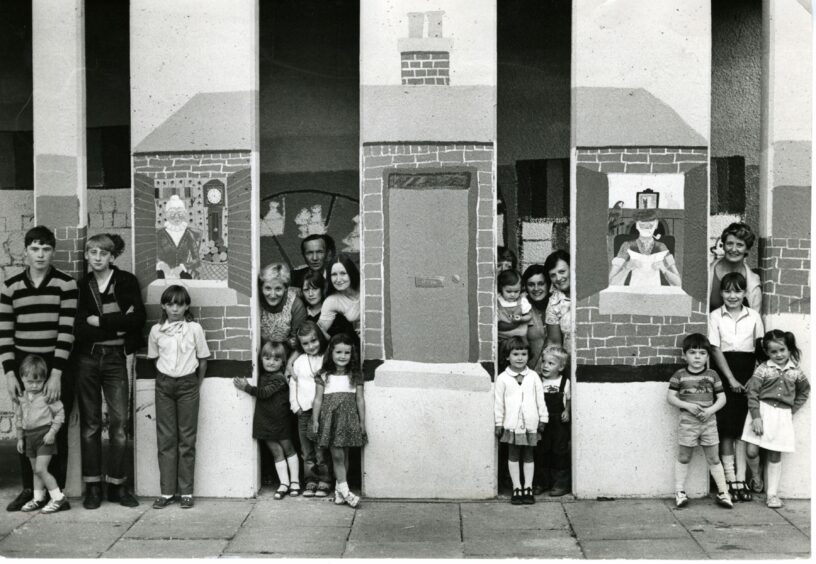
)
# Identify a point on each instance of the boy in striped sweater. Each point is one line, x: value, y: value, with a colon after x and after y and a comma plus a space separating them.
x: 37, y: 309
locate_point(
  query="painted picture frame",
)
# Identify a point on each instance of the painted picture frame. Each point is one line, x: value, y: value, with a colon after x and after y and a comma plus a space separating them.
x: 648, y: 199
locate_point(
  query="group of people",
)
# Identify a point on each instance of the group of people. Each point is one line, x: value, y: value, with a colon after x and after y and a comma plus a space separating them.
x: 532, y: 392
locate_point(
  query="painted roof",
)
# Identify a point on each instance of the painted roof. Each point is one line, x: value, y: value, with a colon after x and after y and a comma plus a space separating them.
x: 628, y: 117
x: 209, y: 121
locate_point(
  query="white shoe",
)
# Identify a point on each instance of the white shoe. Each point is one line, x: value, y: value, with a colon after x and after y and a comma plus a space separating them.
x: 338, y: 498
x: 774, y: 502
x: 725, y: 500
x: 352, y: 499
x: 680, y: 499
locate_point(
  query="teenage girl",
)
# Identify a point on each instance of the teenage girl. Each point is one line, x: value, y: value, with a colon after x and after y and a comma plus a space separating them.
x: 178, y: 346
x: 520, y: 414
x: 312, y: 346
x: 776, y: 391
x: 312, y: 293
x: 338, y: 412
x: 733, y: 332
x: 271, y: 421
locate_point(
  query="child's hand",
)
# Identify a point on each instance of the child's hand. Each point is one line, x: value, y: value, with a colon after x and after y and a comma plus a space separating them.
x: 565, y: 416
x: 298, y: 412
x: 240, y: 383
x: 93, y: 320
x: 20, y: 448
x: 498, y: 431
x: 48, y: 438
x: 541, y: 426
x: 704, y: 415
x: 736, y: 387
x: 756, y: 426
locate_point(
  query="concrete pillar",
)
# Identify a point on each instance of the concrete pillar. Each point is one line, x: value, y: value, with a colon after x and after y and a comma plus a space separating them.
x: 640, y: 138
x: 194, y: 89
x: 785, y: 191
x: 58, y: 54
x: 428, y: 175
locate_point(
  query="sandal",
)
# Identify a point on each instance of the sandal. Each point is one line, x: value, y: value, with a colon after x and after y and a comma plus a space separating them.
x: 743, y: 492
x: 294, y: 489
x: 283, y: 489
x: 734, y: 490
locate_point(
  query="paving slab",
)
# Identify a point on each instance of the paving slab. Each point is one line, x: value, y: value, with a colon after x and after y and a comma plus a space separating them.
x: 665, y: 549
x: 742, y: 541
x: 295, y: 541
x: 797, y: 511
x: 477, y: 517
x: 406, y: 522
x: 41, y: 538
x: 523, y: 544
x: 106, y: 513
x: 418, y: 549
x: 757, y: 556
x: 159, y: 548
x: 12, y: 520
x: 707, y: 512
x: 303, y: 511
x: 623, y: 519
x: 209, y: 519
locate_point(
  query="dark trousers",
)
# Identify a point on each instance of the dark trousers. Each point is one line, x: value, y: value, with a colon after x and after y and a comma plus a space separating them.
x: 315, y: 459
x: 552, y: 453
x: 102, y: 369
x: 176, y: 429
x: 58, y: 467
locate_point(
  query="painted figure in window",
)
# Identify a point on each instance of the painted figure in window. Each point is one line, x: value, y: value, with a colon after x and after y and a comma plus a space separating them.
x: 177, y: 245
x: 642, y: 261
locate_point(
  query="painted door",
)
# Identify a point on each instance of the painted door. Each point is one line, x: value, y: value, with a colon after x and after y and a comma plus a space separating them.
x: 429, y: 242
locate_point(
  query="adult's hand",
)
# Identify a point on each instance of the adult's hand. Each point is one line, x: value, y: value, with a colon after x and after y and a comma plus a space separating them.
x: 53, y: 387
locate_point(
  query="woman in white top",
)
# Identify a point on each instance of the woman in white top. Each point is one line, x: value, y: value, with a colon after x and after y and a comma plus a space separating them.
x: 340, y: 312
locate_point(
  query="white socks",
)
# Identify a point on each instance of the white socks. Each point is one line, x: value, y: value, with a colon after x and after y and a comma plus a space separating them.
x: 680, y: 473
x: 529, y: 469
x: 719, y: 477
x: 774, y: 475
x: 342, y: 488
x: 56, y: 494
x: 513, y: 466
x: 739, y: 451
x: 39, y: 495
x: 283, y: 472
x: 728, y: 467
x: 294, y: 468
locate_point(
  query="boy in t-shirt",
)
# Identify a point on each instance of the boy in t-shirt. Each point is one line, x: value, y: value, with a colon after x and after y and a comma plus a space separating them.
x: 698, y: 392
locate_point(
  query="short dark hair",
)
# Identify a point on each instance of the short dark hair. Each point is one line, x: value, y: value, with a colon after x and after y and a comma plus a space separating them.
x: 507, y: 278
x: 328, y: 242
x: 552, y: 260
x: 40, y: 234
x: 506, y: 253
x: 741, y: 231
x: 696, y: 341
x: 733, y: 280
x: 534, y: 270
x: 512, y: 344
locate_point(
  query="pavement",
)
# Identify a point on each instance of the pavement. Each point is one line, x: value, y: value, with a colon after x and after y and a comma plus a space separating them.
x: 301, y: 527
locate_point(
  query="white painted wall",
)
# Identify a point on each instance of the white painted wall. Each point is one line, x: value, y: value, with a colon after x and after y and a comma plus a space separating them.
x: 659, y: 46
x: 471, y: 25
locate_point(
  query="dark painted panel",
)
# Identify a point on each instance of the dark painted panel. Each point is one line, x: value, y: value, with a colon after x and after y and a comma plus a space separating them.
x: 592, y: 215
x: 791, y: 212
x: 695, y: 257
x: 619, y: 373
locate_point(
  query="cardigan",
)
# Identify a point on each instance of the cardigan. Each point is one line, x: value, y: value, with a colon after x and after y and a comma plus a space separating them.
x: 786, y: 387
x: 519, y: 408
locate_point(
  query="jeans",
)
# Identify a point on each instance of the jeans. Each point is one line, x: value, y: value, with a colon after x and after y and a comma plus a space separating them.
x: 176, y: 430
x: 315, y: 465
x: 103, y: 369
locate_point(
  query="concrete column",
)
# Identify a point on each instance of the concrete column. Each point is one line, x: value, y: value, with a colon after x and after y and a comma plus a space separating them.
x: 194, y: 91
x: 428, y: 175
x: 58, y: 54
x: 640, y: 138
x: 785, y: 199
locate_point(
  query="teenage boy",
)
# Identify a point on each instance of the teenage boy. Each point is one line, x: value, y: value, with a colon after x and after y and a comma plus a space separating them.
x: 37, y: 309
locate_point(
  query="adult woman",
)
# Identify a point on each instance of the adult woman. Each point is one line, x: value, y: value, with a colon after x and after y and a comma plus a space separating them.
x: 340, y: 312
x: 558, y: 316
x: 534, y: 281
x: 282, y: 312
x: 177, y: 244
x: 737, y: 240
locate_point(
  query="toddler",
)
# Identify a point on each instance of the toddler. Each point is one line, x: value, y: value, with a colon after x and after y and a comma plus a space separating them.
x: 552, y: 456
x: 513, y: 308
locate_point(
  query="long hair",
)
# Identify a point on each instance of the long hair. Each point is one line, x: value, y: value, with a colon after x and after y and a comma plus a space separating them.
x: 176, y: 294
x: 354, y: 371
x: 351, y: 269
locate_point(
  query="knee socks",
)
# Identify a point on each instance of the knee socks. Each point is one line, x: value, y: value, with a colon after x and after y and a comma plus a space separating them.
x: 529, y: 470
x: 294, y: 468
x: 728, y: 467
x: 719, y: 476
x: 774, y: 475
x: 680, y: 473
x: 283, y: 472
x: 739, y: 452
x: 513, y: 468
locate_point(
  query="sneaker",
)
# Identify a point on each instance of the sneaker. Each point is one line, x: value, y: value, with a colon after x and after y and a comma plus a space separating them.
x: 56, y: 505
x: 187, y: 501
x: 774, y: 502
x: 338, y: 498
x: 680, y: 499
x: 22, y: 498
x: 309, y: 490
x: 352, y: 499
x: 33, y: 505
x: 756, y: 484
x: 162, y: 502
x: 517, y: 497
x: 527, y: 498
x: 93, y: 496
x: 724, y: 500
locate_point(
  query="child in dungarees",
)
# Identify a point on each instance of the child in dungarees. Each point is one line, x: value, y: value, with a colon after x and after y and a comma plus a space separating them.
x: 552, y: 457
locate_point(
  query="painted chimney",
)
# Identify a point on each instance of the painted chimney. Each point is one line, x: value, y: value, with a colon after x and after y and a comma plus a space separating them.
x: 425, y: 53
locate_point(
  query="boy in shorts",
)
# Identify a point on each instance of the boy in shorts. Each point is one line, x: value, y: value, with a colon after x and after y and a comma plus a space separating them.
x: 37, y: 423
x: 698, y: 392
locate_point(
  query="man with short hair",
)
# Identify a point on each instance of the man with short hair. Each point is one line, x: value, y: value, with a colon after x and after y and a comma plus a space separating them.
x: 317, y: 251
x: 37, y: 310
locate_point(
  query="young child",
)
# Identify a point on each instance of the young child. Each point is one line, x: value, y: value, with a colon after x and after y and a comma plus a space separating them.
x: 109, y: 322
x: 697, y: 391
x: 312, y: 344
x: 520, y: 414
x: 270, y: 423
x: 552, y: 453
x: 37, y: 422
x: 776, y: 391
x: 338, y: 411
x: 505, y: 259
x: 733, y: 330
x: 312, y: 294
x: 513, y: 308
x: 178, y: 345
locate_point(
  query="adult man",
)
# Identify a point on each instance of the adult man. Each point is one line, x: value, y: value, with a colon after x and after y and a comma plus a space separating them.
x: 37, y: 310
x: 317, y: 250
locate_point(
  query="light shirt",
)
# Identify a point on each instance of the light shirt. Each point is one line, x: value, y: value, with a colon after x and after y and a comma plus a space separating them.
x: 522, y: 301
x: 338, y: 384
x: 553, y: 386
x: 178, y: 346
x: 302, y: 386
x: 735, y: 333
x: 342, y: 304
